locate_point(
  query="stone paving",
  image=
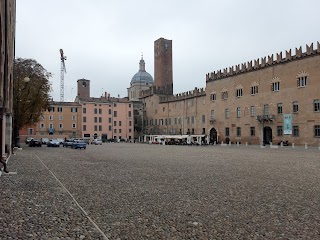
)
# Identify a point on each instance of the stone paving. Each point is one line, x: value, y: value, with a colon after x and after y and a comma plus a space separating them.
x: 141, y: 191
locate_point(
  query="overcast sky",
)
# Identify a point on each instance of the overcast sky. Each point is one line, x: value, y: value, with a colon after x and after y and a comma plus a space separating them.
x: 103, y: 39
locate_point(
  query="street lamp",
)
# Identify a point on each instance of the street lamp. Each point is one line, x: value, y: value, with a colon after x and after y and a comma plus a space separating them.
x: 17, y: 138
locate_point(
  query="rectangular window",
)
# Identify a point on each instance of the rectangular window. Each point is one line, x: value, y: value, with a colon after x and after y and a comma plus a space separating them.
x: 266, y: 109
x: 252, y: 131
x: 302, y: 81
x: 100, y: 111
x: 203, y: 118
x: 84, y: 119
x: 73, y: 125
x: 100, y: 128
x: 110, y: 128
x: 84, y: 110
x: 130, y: 123
x: 120, y: 130
x: 317, y: 130
x: 295, y: 106
x: 95, y: 111
x: 188, y: 120
x: 212, y: 114
x: 227, y: 132
x: 42, y: 125
x: 275, y: 86
x: 95, y: 128
x: 59, y: 109
x: 74, y: 117
x: 213, y: 96
x: 254, y: 90
x: 238, y: 131
x: 295, y: 131
x: 95, y: 119
x: 84, y: 128
x: 50, y: 117
x: 114, y: 123
x: 51, y: 125
x: 279, y: 130
x: 120, y: 123
x: 109, y: 120
x: 227, y: 113
x: 60, y: 117
x: 316, y: 104
x: 253, y: 111
x: 51, y: 109
x: 115, y: 113
x: 115, y: 105
x: 109, y: 111
x: 239, y: 92
x: 129, y: 113
x: 175, y: 121
x: 115, y: 130
x: 60, y: 125
x: 73, y: 109
x: 279, y: 105
x: 130, y: 132
x: 238, y: 112
x: 100, y: 119
x: 192, y: 120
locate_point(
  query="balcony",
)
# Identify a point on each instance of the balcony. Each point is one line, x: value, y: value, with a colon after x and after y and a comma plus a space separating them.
x: 51, y: 130
x: 266, y: 118
x: 212, y: 120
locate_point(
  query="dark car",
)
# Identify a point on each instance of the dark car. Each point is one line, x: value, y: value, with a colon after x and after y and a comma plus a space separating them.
x: 35, y: 143
x: 79, y: 144
x: 67, y: 143
x: 53, y: 143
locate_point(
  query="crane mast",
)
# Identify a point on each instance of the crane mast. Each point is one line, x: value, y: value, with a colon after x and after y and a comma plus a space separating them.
x: 63, y: 70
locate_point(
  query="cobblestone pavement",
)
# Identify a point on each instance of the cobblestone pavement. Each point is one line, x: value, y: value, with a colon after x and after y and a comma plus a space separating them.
x: 140, y: 191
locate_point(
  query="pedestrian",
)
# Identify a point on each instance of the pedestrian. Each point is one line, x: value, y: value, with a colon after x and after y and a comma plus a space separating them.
x: 4, y: 163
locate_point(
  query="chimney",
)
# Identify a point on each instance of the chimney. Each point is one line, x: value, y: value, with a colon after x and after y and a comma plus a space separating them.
x: 105, y: 95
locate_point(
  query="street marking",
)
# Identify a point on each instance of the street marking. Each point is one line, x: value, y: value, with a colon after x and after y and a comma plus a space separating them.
x: 76, y: 202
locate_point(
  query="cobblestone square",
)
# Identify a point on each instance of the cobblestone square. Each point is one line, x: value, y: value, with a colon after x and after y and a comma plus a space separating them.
x: 142, y: 191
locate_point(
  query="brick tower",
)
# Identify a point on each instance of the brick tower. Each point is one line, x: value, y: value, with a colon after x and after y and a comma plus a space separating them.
x: 163, y: 66
x: 83, y: 88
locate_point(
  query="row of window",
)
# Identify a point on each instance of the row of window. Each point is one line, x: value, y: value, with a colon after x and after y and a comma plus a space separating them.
x: 96, y: 119
x: 99, y: 111
x: 99, y: 128
x: 295, y: 131
x: 275, y: 87
x: 59, y: 109
x: 73, y: 117
x: 42, y: 125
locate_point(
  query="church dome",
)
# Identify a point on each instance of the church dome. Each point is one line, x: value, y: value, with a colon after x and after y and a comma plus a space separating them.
x: 142, y: 77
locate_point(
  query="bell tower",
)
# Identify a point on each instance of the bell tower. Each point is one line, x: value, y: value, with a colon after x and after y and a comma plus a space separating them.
x: 163, y: 76
x: 83, y: 88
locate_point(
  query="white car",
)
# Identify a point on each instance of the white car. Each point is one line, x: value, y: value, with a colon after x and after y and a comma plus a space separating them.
x: 97, y: 142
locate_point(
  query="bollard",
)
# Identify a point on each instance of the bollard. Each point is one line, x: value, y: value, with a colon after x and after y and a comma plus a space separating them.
x: 229, y: 143
x: 281, y: 144
x: 237, y: 144
x: 270, y: 144
x: 292, y: 145
x: 319, y: 146
x: 215, y: 143
x: 306, y: 145
x: 246, y: 144
x: 221, y: 143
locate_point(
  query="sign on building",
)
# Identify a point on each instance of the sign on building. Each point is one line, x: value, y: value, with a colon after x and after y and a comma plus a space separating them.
x: 287, y: 121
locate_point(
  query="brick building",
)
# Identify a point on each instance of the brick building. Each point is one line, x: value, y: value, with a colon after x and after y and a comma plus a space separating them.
x: 261, y: 101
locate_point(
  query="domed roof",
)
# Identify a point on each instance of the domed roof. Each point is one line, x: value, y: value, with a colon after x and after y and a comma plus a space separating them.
x: 142, y: 77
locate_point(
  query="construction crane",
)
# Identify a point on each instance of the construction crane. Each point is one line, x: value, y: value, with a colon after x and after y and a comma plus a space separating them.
x: 63, y: 70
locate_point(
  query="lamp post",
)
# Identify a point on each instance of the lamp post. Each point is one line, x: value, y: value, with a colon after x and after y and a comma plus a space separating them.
x: 17, y: 138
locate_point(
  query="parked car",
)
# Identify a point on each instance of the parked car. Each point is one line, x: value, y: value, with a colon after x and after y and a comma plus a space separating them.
x: 44, y: 140
x: 28, y: 140
x: 53, y: 143
x: 35, y: 143
x: 60, y: 140
x: 79, y: 144
x: 96, y: 141
x: 67, y: 143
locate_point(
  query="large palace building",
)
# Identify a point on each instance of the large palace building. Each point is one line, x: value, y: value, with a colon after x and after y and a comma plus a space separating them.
x: 268, y: 100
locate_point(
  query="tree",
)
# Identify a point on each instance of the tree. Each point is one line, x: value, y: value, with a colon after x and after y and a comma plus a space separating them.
x: 31, y: 98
